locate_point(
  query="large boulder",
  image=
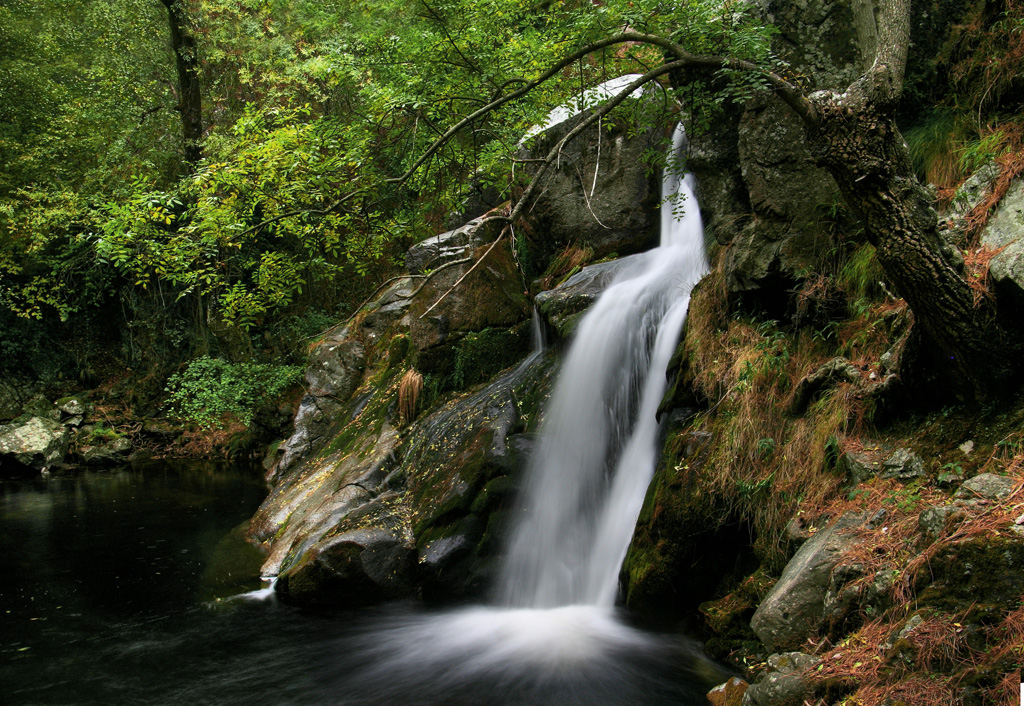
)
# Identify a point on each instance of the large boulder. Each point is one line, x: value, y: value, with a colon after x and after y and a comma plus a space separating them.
x: 335, y: 369
x: 829, y: 41
x: 760, y: 191
x: 444, y: 248
x: 35, y: 442
x: 793, y: 610
x: 617, y: 212
x: 490, y: 295
x: 782, y: 236
x: 783, y: 683
x: 376, y: 514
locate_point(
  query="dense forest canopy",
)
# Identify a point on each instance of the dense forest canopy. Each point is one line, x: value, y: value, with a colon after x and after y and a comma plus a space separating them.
x: 246, y: 161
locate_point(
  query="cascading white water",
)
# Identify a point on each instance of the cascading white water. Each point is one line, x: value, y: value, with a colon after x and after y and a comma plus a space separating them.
x: 587, y: 481
x: 554, y: 633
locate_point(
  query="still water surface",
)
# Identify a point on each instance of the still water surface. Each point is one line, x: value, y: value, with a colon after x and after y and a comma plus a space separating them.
x: 127, y: 587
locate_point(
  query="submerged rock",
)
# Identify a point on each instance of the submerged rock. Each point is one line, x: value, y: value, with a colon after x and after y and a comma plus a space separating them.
x: 107, y: 453
x: 36, y: 442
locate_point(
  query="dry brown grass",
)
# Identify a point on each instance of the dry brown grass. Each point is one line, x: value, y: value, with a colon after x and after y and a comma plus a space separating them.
x: 917, y: 690
x: 976, y: 264
x: 1006, y: 692
x: 209, y: 441
x: 862, y: 664
x: 764, y: 462
x: 858, y: 658
x: 409, y: 390
x: 1010, y: 164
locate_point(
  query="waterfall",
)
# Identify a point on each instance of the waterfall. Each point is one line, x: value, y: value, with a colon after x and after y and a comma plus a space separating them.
x: 553, y: 636
x: 586, y: 483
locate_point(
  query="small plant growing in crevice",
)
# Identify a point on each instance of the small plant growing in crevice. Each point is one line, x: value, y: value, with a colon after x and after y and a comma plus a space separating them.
x: 409, y: 390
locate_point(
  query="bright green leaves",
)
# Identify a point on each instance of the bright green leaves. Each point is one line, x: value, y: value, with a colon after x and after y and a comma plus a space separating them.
x: 312, y: 111
x: 211, y: 391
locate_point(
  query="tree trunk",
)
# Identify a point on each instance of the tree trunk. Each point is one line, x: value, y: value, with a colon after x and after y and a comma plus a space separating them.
x: 854, y: 136
x: 190, y: 102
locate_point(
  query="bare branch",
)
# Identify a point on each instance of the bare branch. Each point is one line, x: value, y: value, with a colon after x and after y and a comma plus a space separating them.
x: 789, y: 93
x: 368, y: 300
x: 466, y: 273
x: 437, y: 270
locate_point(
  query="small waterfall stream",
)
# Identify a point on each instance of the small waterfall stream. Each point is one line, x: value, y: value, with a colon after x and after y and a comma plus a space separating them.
x: 587, y: 481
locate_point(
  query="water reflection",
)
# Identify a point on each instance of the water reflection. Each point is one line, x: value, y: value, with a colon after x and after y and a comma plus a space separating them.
x: 115, y: 591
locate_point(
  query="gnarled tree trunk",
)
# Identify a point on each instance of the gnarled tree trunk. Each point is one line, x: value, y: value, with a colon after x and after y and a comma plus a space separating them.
x: 854, y: 136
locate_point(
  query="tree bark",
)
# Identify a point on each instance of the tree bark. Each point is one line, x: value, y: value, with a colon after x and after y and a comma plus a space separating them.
x: 853, y: 135
x: 190, y: 99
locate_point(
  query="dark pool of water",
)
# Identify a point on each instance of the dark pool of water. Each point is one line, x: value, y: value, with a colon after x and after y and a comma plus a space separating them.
x: 121, y: 587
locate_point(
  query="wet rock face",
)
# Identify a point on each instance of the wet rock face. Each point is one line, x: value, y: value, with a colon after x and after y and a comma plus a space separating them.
x: 373, y: 517
x: 366, y: 506
x: 34, y: 442
x: 364, y: 566
x: 463, y: 465
x: 789, y: 198
x: 563, y: 306
x: 760, y: 192
x: 617, y: 213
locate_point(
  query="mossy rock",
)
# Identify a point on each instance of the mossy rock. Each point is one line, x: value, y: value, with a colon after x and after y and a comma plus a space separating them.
x: 976, y: 571
x: 674, y: 561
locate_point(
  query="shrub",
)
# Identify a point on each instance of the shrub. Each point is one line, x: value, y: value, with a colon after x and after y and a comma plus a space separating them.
x: 210, y: 390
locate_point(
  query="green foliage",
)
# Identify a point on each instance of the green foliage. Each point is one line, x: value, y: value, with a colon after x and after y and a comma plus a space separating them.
x: 313, y: 113
x: 907, y: 498
x: 860, y: 276
x: 932, y: 144
x: 210, y: 390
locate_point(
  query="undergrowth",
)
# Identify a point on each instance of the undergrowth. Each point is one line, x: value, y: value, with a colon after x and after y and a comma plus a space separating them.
x: 212, y: 391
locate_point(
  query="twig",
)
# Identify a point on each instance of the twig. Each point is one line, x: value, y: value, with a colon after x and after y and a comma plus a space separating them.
x: 445, y: 266
x: 466, y: 273
x: 365, y: 302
